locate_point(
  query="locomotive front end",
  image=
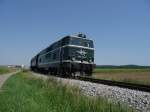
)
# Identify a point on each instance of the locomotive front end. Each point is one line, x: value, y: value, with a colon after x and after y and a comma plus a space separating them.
x: 78, y: 55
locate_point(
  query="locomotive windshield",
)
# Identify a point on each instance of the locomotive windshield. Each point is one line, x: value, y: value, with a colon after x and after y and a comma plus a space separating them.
x: 77, y: 41
x: 81, y: 42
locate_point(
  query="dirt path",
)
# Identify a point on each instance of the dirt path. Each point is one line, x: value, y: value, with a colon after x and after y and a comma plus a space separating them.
x: 4, y: 77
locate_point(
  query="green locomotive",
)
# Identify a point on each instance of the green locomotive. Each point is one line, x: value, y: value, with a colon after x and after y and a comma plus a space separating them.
x: 70, y: 55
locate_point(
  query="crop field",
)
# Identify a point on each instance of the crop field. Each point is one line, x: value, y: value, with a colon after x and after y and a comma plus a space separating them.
x: 4, y: 70
x: 138, y: 76
x: 25, y: 93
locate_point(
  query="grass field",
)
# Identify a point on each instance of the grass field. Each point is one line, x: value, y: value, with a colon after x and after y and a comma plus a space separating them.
x: 25, y: 93
x: 4, y: 70
x: 138, y: 76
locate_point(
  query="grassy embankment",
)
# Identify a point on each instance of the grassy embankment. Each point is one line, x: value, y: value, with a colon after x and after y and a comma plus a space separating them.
x: 4, y: 70
x: 138, y: 76
x: 25, y: 93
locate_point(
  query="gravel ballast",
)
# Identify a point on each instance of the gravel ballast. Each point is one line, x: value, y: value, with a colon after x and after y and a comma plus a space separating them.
x: 136, y: 99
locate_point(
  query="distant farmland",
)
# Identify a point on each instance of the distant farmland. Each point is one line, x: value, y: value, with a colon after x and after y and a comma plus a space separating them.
x: 4, y: 70
x: 131, y: 74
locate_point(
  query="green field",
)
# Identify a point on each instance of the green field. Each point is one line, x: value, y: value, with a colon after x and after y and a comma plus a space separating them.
x: 120, y: 70
x: 25, y: 93
x: 4, y: 70
x: 130, y: 75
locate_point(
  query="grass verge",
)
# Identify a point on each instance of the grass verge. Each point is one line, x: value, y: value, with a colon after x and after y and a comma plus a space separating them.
x: 25, y: 93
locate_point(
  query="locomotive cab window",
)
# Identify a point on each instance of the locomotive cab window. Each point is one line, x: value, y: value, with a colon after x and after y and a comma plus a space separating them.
x: 86, y: 44
x: 81, y: 42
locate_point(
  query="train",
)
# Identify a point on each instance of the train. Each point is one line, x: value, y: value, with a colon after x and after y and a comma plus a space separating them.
x: 70, y: 56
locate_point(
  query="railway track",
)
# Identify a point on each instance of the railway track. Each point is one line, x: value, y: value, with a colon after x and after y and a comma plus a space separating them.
x: 138, y: 87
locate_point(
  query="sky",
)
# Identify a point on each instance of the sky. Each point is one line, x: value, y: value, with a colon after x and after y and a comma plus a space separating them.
x: 120, y: 29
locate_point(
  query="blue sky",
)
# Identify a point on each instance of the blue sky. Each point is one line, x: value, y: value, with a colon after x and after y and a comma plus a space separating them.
x: 120, y: 28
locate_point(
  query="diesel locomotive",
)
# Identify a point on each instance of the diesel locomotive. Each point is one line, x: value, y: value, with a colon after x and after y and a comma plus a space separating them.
x: 71, y: 55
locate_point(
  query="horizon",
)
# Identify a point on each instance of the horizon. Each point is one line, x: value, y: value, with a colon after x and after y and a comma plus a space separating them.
x: 120, y: 29
x: 96, y: 65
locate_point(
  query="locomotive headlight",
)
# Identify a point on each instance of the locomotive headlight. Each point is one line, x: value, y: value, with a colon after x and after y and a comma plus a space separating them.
x: 73, y: 58
x: 90, y: 60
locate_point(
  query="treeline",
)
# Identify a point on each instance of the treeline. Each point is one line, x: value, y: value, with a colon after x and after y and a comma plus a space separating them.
x: 122, y: 66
